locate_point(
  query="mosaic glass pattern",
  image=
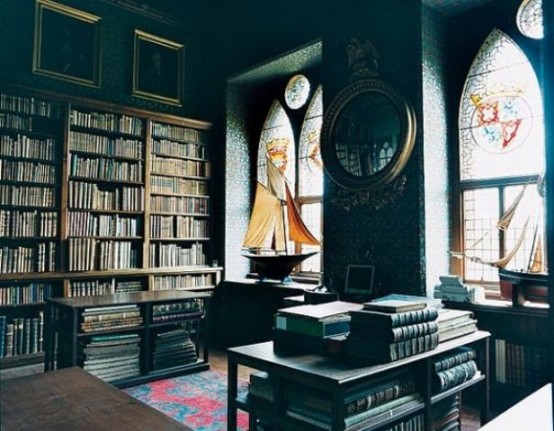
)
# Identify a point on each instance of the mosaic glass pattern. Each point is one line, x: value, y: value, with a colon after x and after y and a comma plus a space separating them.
x: 311, y: 214
x: 500, y: 121
x: 310, y: 164
x: 297, y: 91
x: 529, y: 19
x: 277, y: 144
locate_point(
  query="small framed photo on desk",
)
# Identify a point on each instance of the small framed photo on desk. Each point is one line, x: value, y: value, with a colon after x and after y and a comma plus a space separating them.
x: 359, y: 280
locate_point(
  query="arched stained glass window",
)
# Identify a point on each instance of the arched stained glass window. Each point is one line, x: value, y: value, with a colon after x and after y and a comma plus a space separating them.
x: 502, y: 155
x: 277, y: 144
x: 501, y: 126
x: 310, y: 163
x: 529, y: 19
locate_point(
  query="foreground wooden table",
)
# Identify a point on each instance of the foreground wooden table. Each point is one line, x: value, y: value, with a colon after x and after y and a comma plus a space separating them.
x: 73, y: 400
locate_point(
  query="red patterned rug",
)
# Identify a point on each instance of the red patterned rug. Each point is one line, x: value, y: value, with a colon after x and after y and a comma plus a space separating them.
x: 198, y: 400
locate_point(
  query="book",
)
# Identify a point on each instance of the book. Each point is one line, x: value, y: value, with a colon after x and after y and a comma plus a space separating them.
x: 326, y: 327
x: 381, y: 351
x: 399, y: 333
x: 454, y: 331
x: 320, y: 311
x: 394, y: 306
x: 392, y: 320
x: 448, y: 316
x: 456, y: 357
x: 454, y: 376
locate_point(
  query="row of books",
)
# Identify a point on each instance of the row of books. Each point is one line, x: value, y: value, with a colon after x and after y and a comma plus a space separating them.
x: 107, y: 146
x: 176, y: 132
x: 29, y: 106
x: 25, y: 147
x: 171, y: 255
x: 19, y: 224
x: 179, y: 167
x: 454, y: 368
x: 179, y: 149
x: 182, y: 281
x: 83, y: 195
x: 87, y: 254
x: 520, y: 365
x: 181, y: 205
x: 102, y: 287
x: 177, y: 311
x: 27, y: 171
x: 105, y: 225
x: 178, y: 185
x: 21, y: 335
x: 111, y: 357
x: 390, y: 394
x: 40, y: 257
x: 107, y: 121
x: 105, y: 169
x: 32, y: 292
x: 112, y: 317
x: 178, y: 227
x: 34, y: 196
x: 172, y: 349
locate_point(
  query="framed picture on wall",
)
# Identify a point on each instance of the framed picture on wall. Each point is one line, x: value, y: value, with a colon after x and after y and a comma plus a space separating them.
x: 157, y: 68
x: 359, y: 279
x: 67, y: 43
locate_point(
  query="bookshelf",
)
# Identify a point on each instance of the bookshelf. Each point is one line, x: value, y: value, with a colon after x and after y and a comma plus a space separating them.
x: 332, y: 377
x: 96, y: 199
x: 131, y: 338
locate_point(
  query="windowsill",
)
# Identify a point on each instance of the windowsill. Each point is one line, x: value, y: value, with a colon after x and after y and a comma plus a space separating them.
x: 498, y: 306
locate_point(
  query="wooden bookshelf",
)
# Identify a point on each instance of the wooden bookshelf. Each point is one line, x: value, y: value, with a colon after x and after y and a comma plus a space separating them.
x: 96, y: 199
x: 147, y: 324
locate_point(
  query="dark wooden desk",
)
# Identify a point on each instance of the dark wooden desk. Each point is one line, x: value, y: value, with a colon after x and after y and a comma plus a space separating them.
x: 73, y: 400
x: 333, y: 376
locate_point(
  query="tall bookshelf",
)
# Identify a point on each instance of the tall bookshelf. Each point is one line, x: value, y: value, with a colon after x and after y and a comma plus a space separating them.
x: 95, y: 199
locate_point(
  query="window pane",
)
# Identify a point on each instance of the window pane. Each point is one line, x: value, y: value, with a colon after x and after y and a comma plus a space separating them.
x: 529, y: 19
x: 501, y: 115
x: 311, y: 214
x: 311, y: 166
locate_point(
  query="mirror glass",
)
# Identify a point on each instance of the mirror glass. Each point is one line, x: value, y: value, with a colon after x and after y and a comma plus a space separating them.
x: 367, y: 136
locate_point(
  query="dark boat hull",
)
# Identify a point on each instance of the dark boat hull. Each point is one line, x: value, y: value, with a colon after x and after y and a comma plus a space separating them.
x: 523, y: 286
x: 277, y: 267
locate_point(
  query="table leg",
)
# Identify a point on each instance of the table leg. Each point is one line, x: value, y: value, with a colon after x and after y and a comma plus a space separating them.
x: 232, y: 375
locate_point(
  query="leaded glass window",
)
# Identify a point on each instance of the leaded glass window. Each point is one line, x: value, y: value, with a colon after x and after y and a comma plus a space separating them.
x: 501, y: 147
x: 529, y: 19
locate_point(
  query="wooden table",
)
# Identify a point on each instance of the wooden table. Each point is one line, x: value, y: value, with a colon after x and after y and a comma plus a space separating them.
x: 74, y: 400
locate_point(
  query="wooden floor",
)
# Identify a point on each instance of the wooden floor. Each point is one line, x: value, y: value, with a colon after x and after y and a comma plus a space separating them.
x: 218, y: 361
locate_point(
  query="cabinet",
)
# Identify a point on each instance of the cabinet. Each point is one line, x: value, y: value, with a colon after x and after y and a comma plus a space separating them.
x: 129, y: 339
x: 333, y: 377
x: 95, y: 199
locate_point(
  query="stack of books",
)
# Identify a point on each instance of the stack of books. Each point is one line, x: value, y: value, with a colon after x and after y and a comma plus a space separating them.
x: 455, y: 323
x: 111, y: 357
x: 308, y: 328
x: 454, y: 368
x: 445, y: 415
x: 177, y: 311
x: 113, y: 317
x: 173, y: 348
x: 387, y: 331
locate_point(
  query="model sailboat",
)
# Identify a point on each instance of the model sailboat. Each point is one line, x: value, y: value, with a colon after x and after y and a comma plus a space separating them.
x: 531, y: 281
x: 275, y: 221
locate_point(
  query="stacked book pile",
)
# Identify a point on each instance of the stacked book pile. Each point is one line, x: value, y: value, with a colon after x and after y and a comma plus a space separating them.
x: 445, y: 415
x: 173, y: 348
x: 392, y: 394
x: 455, y: 323
x: 454, y: 368
x: 311, y: 327
x: 111, y: 357
x: 390, y: 330
x: 177, y: 311
x: 113, y: 317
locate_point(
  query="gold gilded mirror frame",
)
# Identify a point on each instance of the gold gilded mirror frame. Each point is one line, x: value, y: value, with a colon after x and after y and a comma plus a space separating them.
x: 364, y: 117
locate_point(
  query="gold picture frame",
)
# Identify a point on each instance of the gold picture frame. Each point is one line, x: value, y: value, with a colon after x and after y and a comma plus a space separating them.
x: 66, y: 44
x: 157, y: 68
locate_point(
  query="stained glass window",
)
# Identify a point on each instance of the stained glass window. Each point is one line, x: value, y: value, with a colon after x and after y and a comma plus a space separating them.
x: 501, y: 145
x: 277, y: 144
x: 529, y: 19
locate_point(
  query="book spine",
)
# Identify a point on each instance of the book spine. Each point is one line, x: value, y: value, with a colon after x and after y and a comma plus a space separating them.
x: 393, y: 320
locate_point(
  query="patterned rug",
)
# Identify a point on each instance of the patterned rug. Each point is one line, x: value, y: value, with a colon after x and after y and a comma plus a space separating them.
x: 198, y: 400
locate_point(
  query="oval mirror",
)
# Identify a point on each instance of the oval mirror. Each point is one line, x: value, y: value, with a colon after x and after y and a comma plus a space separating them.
x: 367, y: 136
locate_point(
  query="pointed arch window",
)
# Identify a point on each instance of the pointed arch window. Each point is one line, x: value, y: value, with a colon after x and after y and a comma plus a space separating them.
x: 501, y: 148
x: 296, y: 153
